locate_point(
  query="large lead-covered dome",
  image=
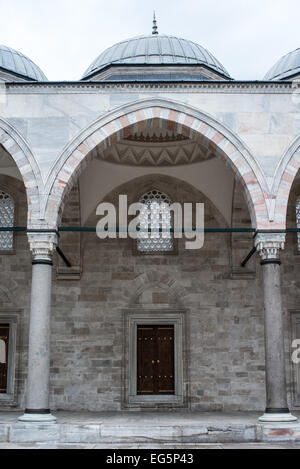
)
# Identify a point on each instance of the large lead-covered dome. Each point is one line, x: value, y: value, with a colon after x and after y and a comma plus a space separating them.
x: 286, y: 68
x: 156, y: 50
x: 16, y: 64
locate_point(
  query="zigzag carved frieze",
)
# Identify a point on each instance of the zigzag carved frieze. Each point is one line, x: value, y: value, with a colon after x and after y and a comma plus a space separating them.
x: 155, y: 154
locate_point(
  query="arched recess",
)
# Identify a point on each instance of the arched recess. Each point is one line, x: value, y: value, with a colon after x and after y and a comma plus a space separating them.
x: 285, y: 175
x: 178, y: 189
x: 179, y: 118
x: 19, y: 150
x: 152, y: 280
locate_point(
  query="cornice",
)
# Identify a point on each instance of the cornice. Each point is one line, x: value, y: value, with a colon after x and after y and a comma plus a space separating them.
x: 203, y: 86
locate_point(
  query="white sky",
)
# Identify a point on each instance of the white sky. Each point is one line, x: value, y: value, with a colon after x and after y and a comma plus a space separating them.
x: 64, y: 36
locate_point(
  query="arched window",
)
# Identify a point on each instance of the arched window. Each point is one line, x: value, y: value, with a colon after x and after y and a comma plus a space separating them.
x: 7, y: 216
x: 298, y: 220
x: 157, y: 217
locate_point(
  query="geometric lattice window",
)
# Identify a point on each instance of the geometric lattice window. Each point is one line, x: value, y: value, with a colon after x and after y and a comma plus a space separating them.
x: 7, y: 216
x: 298, y: 220
x: 156, y: 217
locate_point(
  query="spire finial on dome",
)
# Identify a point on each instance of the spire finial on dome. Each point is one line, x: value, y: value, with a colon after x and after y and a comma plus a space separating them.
x: 154, y: 29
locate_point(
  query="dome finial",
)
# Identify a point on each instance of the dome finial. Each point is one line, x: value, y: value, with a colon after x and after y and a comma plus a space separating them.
x: 154, y: 29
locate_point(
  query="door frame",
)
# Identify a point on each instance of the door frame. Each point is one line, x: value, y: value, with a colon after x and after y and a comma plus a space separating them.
x: 11, y: 318
x: 132, y: 319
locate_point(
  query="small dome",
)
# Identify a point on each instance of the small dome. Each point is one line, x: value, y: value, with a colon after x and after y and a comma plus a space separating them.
x: 287, y: 67
x: 16, y: 63
x: 156, y: 49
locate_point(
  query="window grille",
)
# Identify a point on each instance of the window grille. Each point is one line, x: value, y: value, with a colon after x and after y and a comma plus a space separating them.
x: 156, y: 216
x: 7, y: 215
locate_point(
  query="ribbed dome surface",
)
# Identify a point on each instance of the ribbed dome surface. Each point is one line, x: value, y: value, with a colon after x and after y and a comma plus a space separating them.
x: 156, y: 49
x: 15, y: 62
x: 286, y: 67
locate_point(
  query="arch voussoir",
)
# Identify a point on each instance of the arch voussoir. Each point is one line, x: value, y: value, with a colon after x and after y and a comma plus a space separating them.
x: 18, y: 149
x: 285, y: 181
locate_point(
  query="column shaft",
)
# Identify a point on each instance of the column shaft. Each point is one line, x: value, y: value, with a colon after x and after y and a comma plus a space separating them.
x: 39, y: 340
x: 42, y: 246
x: 269, y: 245
x: 274, y: 342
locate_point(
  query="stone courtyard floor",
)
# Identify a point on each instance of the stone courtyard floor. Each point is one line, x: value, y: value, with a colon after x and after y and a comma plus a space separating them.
x: 148, y: 430
x: 165, y: 447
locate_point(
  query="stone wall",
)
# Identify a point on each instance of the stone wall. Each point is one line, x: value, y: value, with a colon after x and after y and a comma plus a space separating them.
x: 225, y: 344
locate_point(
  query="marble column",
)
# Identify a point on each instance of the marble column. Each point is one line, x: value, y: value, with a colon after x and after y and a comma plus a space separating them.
x: 42, y: 246
x: 269, y: 245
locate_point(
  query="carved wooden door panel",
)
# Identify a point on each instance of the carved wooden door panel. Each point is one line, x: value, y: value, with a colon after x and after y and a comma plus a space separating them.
x: 165, y: 367
x: 155, y: 360
x: 4, y: 339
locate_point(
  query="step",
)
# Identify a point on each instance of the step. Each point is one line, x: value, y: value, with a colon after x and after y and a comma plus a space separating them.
x: 118, y: 434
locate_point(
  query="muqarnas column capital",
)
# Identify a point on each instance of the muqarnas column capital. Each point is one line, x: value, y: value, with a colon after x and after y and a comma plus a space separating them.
x: 268, y: 245
x: 42, y: 246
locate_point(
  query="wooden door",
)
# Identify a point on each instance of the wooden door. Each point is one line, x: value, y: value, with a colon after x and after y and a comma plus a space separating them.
x: 4, y: 340
x: 155, y: 360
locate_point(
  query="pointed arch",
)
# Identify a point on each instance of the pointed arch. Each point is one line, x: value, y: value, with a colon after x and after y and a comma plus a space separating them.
x: 155, y: 279
x: 177, y: 117
x: 285, y: 175
x: 18, y: 149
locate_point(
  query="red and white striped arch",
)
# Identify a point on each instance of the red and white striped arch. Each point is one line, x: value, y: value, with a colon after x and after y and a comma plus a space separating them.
x: 286, y: 174
x: 18, y: 149
x: 179, y: 118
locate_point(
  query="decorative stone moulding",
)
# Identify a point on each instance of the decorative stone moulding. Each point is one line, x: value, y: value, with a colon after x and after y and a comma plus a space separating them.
x: 42, y: 245
x: 156, y: 138
x: 38, y: 418
x: 273, y: 418
x: 155, y: 154
x: 269, y: 244
x: 217, y: 86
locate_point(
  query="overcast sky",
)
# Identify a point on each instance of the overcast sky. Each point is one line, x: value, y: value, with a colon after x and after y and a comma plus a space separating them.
x: 64, y: 36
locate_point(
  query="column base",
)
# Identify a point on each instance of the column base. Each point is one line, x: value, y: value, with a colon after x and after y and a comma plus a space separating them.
x: 273, y: 418
x: 32, y: 417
